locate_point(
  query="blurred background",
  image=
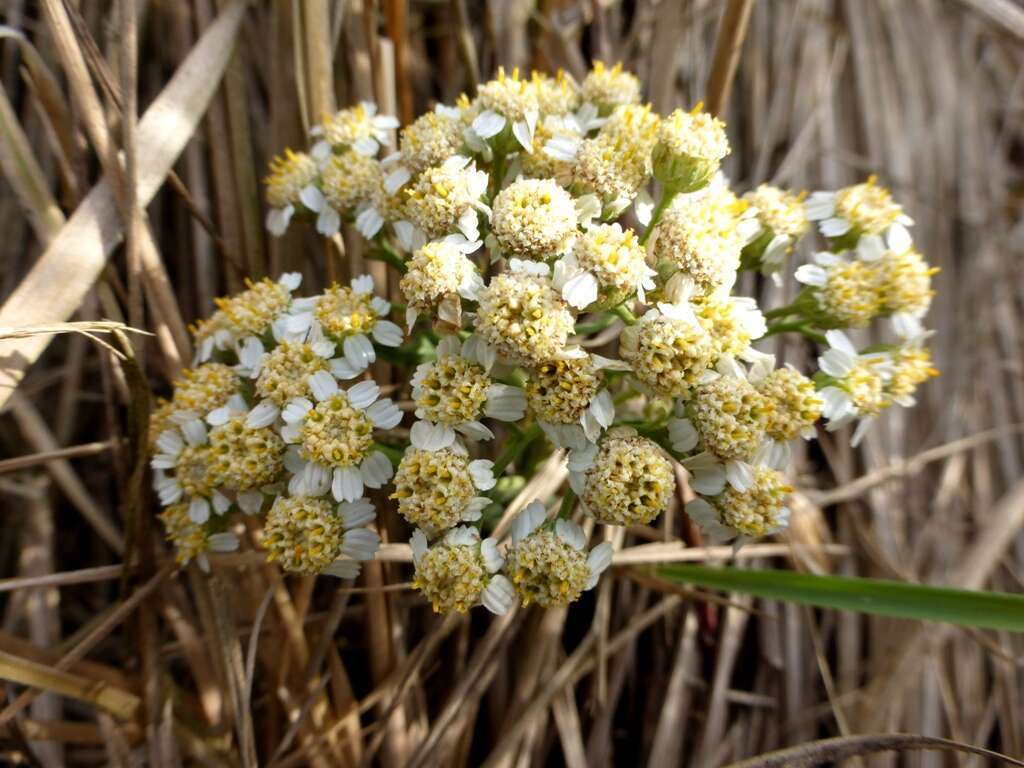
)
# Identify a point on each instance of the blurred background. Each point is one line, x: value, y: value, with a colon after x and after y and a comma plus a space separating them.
x: 145, y: 666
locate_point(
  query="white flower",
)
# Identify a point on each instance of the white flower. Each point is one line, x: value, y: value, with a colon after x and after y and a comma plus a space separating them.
x: 360, y: 128
x: 183, y: 472
x: 454, y: 391
x: 569, y: 400
x: 334, y: 437
x: 857, y: 391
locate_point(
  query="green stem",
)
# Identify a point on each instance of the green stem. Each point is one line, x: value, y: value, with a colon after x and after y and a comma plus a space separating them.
x: 584, y: 329
x: 799, y: 326
x: 778, y: 312
x: 497, y: 175
x: 659, y: 211
x: 627, y: 317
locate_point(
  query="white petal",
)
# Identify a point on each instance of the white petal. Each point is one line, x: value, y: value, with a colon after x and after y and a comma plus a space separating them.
x: 603, y: 408
x: 836, y: 362
x: 363, y: 394
x: 376, y: 470
x: 740, y: 475
x: 706, y: 517
x: 643, y: 205
x: 418, y: 544
x: 811, y: 274
x: 343, y: 369
x: 528, y: 521
x: 263, y: 415
x: 328, y: 222
x: 395, y: 180
x: 199, y: 511
x: 343, y: 569
x: 598, y: 560
x: 312, y: 198
x: 362, y: 284
x: 683, y: 435
x: 170, y: 442
x: 521, y: 130
x: 359, y: 352
x: 360, y: 544
x: 222, y: 542
x: 581, y: 291
x: 898, y: 238
x: 194, y: 431
x: 431, y: 437
x: 384, y: 414
x: 488, y: 124
x: 316, y: 479
x: 820, y: 205
x: 505, y: 402
x: 570, y: 533
x: 498, y: 596
x: 323, y: 385
x: 278, y: 219
x: 295, y: 411
x: 481, y: 470
x: 834, y: 227
x: 839, y: 340
x: 355, y: 514
x: 474, y: 430
x: 491, y: 556
x: 462, y: 536
x: 250, y: 502
x: 708, y: 482
x: 347, y: 484
x: 387, y: 333
x: 369, y: 222
x: 870, y: 247
x: 366, y: 146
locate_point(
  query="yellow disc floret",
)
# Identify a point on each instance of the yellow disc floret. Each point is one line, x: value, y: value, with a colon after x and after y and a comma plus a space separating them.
x: 335, y: 434
x: 614, y: 256
x: 868, y: 207
x: 850, y: 297
x: 451, y: 576
x: 189, y: 539
x: 285, y: 371
x: 546, y: 570
x: 668, y: 354
x: 560, y: 391
x: 610, y: 87
x: 205, y: 388
x: 452, y: 390
x: 508, y: 96
x: 342, y: 312
x: 253, y: 310
x: 349, y: 179
x: 436, y: 270
x: 243, y: 458
x: 430, y: 140
x: 758, y: 510
x: 303, y: 534
x: 289, y: 174
x: 524, y: 317
x: 905, y: 283
x: 433, y: 488
x: 731, y: 416
x: 533, y: 218
x: 796, y: 404
x: 630, y: 482
x: 779, y: 211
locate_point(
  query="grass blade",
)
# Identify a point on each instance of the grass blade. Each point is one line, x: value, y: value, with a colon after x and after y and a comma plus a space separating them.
x: 991, y: 610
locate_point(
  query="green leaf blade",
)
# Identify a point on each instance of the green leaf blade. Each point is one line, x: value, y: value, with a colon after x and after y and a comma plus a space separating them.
x: 989, y: 610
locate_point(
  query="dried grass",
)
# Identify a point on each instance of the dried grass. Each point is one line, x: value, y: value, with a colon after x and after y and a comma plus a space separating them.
x: 115, y: 656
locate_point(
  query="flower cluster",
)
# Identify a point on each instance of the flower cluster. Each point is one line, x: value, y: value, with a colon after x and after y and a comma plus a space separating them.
x: 509, y: 220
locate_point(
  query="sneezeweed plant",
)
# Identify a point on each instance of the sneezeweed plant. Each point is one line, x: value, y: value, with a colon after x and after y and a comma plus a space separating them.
x: 534, y: 318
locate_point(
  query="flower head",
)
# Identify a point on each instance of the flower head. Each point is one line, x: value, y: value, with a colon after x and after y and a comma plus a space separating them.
x: 438, y: 270
x: 610, y: 87
x: 568, y: 398
x: 795, y: 404
x: 905, y: 283
x: 312, y: 535
x: 558, y: 95
x: 291, y: 174
x: 863, y: 209
x: 630, y: 481
x: 550, y: 566
x: 359, y: 128
x: 730, y: 416
x: 244, y: 458
x: 856, y: 384
x: 461, y: 571
x: 447, y: 198
x: 668, y: 350
x: 347, y: 180
x: 251, y: 312
x: 691, y: 146
x: 534, y: 219
x: 436, y: 490
x: 523, y: 317
x: 334, y: 438
x: 204, y: 388
x: 185, y: 471
x: 192, y: 541
x: 607, y: 264
x: 783, y: 221
x: 454, y: 391
x: 759, y: 510
x: 847, y: 290
x: 430, y: 140
x: 704, y: 237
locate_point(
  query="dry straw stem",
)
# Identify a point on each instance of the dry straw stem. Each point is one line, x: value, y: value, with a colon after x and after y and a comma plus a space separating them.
x: 58, y: 282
